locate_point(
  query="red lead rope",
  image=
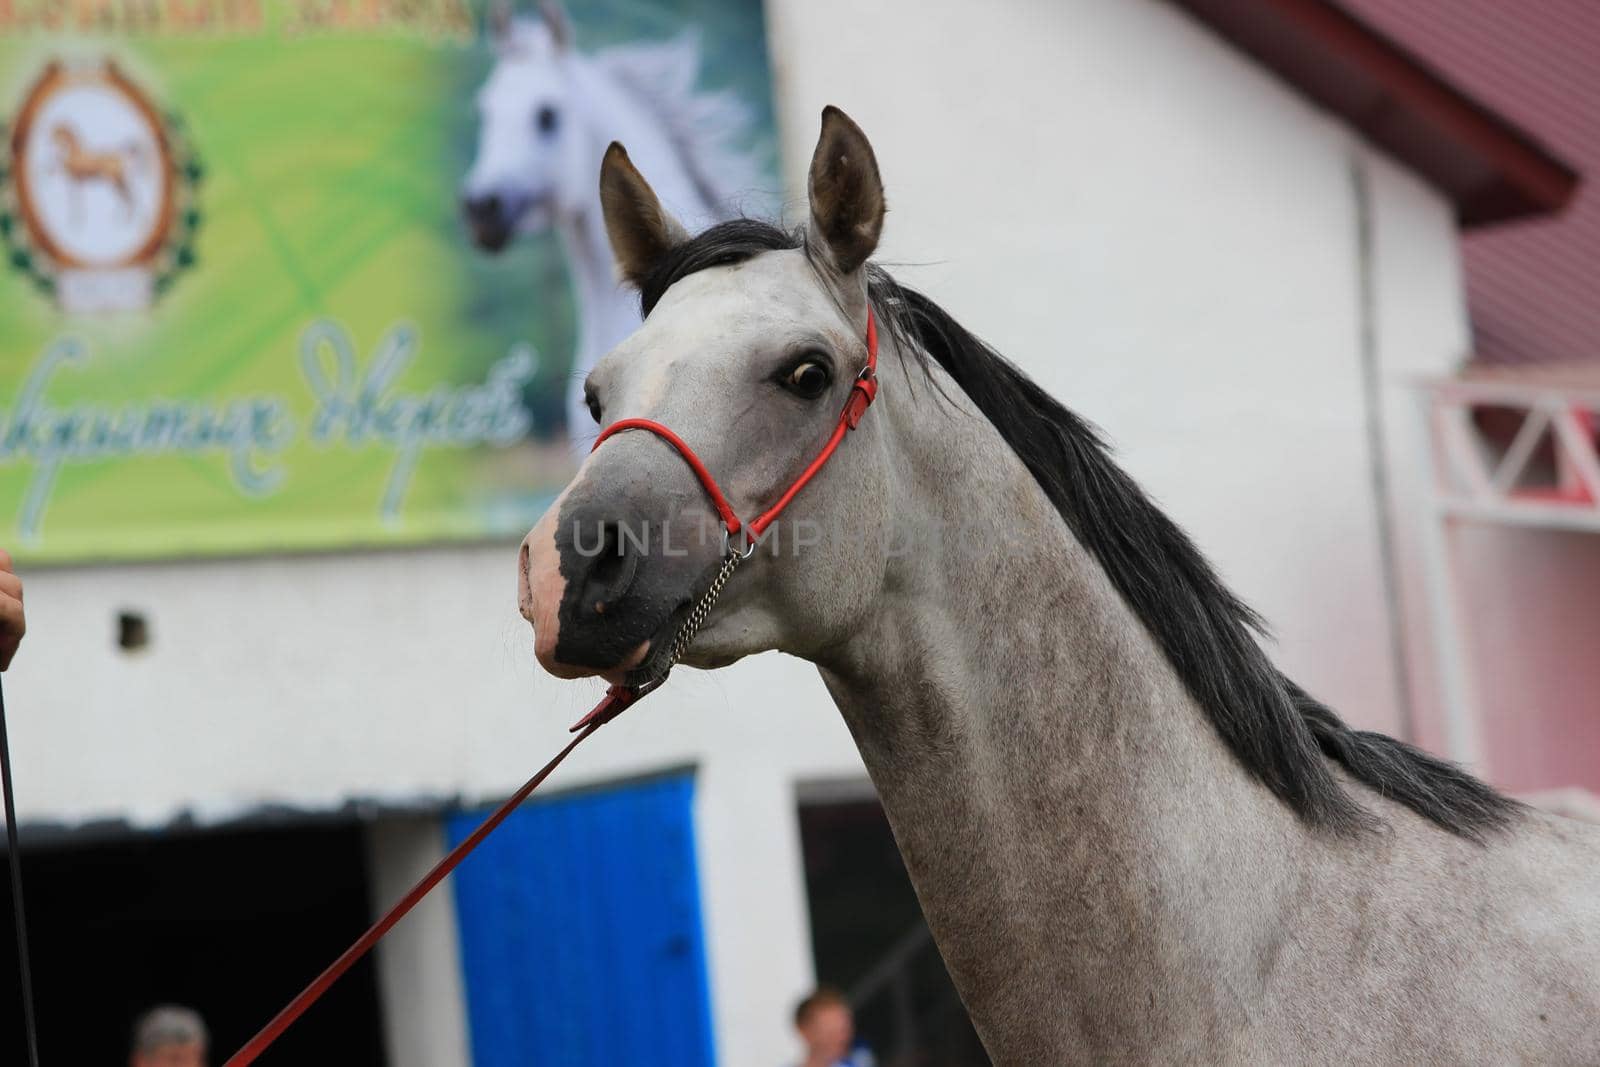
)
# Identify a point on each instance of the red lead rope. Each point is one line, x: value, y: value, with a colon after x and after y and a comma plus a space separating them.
x: 603, y: 712
x: 615, y: 702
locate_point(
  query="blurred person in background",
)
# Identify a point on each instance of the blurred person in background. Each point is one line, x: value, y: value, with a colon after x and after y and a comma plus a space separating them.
x: 11, y: 621
x: 827, y: 1027
x: 169, y: 1036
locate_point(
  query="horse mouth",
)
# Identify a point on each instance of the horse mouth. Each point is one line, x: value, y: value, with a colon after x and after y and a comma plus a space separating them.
x: 491, y: 237
x: 494, y: 221
x: 657, y: 659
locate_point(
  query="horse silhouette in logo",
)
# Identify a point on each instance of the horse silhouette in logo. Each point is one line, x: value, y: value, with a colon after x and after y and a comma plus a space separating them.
x: 83, y: 165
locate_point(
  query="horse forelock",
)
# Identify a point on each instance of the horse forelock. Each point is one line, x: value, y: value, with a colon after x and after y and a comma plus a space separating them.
x: 724, y: 244
x: 1284, y: 737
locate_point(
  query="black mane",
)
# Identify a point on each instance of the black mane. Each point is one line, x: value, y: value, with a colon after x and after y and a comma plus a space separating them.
x: 1279, y: 732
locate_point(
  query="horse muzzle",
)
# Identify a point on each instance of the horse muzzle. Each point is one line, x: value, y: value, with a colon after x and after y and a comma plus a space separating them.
x: 606, y: 579
x: 490, y: 221
x: 495, y: 218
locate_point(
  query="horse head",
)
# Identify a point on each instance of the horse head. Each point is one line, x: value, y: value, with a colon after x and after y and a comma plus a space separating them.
x: 751, y: 364
x: 533, y: 158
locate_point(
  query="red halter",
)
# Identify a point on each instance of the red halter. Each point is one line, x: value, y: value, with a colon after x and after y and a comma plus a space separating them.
x: 616, y: 700
x: 862, y: 392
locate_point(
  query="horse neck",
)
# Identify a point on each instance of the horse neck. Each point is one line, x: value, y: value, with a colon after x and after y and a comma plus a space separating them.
x: 1093, y: 863
x: 608, y: 311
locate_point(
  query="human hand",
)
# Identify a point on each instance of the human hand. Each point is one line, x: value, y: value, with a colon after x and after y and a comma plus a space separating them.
x: 12, y: 623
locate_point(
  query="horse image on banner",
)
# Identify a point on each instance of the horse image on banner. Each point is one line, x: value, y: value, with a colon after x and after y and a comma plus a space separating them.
x: 547, y: 113
x: 83, y: 165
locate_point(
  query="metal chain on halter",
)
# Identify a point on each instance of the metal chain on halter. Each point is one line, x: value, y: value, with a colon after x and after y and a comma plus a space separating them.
x: 697, y: 617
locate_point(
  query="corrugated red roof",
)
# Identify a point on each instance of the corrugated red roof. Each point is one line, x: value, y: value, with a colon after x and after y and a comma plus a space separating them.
x: 1533, y: 287
x: 1491, y: 169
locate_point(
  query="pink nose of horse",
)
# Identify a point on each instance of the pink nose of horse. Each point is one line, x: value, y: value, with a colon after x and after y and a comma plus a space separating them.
x: 574, y: 577
x: 539, y: 591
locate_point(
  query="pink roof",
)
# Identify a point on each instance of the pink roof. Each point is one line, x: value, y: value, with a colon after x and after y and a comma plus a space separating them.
x: 1491, y: 170
x: 1533, y: 286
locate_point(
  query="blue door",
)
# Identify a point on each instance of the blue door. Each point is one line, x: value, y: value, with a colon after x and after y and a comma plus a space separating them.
x: 581, y: 939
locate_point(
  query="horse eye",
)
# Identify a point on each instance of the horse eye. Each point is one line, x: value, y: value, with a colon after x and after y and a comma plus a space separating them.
x: 808, y: 380
x: 547, y: 119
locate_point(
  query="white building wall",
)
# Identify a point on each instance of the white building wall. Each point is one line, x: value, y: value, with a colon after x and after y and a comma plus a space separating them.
x: 1422, y: 331
x: 419, y: 962
x: 1165, y: 235
x: 1153, y: 226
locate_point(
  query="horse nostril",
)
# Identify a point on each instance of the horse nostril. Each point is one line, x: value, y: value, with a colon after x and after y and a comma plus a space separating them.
x: 608, y: 561
x: 612, y: 567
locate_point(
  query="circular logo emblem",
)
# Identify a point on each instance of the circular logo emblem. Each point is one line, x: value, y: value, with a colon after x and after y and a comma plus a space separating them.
x: 98, y: 191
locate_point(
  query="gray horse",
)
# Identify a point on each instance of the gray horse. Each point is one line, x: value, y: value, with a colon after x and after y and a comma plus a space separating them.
x: 1134, y: 839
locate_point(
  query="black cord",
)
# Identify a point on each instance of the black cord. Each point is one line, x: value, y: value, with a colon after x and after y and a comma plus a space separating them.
x: 16, y: 888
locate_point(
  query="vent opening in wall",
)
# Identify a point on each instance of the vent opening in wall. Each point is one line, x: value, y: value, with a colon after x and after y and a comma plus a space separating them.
x: 133, y: 631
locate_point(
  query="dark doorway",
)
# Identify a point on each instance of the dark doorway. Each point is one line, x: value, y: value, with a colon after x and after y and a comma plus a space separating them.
x: 869, y: 939
x: 231, y: 923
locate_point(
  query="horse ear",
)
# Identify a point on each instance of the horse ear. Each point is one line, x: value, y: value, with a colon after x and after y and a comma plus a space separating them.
x: 640, y: 229
x: 555, y: 17
x: 846, y: 193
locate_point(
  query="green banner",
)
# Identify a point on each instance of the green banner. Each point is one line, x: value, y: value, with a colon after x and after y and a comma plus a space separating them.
x: 311, y: 275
